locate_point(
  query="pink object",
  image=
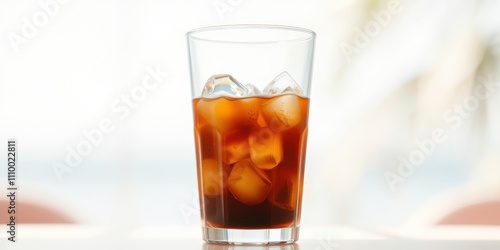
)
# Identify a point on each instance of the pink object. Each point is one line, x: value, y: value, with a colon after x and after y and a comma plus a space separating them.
x: 33, y: 213
x: 484, y: 213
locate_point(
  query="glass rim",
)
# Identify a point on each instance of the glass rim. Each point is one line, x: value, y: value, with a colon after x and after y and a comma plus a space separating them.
x: 309, y: 34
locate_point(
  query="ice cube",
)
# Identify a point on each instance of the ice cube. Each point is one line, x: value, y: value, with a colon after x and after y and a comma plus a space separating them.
x: 225, y: 114
x: 291, y: 90
x: 235, y: 147
x: 249, y: 110
x: 220, y: 113
x: 218, y: 85
x: 266, y: 150
x: 248, y: 184
x: 283, y: 83
x: 261, y: 122
x: 214, y: 177
x: 252, y: 90
x: 284, y: 193
x: 282, y: 112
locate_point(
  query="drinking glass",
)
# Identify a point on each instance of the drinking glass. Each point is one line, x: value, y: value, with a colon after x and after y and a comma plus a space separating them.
x: 250, y: 87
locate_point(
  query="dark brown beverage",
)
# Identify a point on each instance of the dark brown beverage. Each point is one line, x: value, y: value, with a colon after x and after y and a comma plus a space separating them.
x: 250, y: 157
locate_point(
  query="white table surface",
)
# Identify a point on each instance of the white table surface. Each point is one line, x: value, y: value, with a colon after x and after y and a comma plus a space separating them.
x: 73, y: 237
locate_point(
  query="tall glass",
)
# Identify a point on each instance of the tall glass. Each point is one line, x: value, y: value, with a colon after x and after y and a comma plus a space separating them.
x: 251, y: 135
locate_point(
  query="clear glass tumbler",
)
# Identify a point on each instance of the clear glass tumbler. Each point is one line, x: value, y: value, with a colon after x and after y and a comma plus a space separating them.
x: 251, y: 135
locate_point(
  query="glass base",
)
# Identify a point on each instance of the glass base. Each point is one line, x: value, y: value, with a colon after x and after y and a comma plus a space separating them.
x: 250, y: 236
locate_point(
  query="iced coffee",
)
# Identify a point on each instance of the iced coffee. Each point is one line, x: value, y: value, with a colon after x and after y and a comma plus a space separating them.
x: 250, y: 147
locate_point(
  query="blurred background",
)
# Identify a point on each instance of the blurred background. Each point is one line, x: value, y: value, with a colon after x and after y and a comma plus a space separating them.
x: 404, y: 123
